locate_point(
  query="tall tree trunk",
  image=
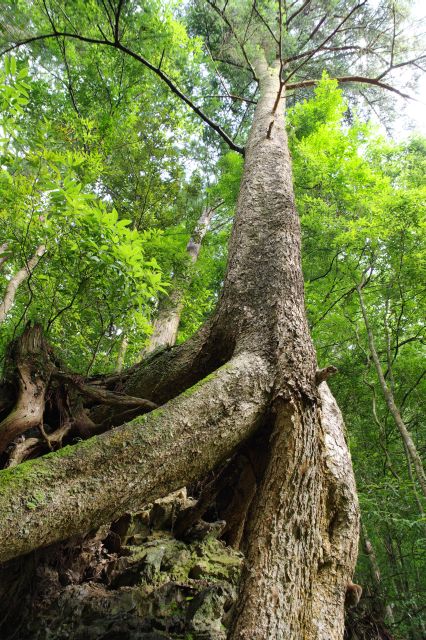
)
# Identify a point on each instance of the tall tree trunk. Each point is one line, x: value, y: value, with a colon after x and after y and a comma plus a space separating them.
x: 167, y: 322
x: 390, y: 400
x: 302, y: 531
x: 303, y: 534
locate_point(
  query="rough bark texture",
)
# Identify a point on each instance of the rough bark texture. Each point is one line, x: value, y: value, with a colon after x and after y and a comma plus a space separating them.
x: 339, y: 526
x: 31, y: 365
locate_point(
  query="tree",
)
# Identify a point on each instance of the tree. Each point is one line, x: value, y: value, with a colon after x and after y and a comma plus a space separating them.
x: 252, y: 365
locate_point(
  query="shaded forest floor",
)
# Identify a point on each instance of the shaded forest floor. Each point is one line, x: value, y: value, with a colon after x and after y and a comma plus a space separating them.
x: 135, y: 580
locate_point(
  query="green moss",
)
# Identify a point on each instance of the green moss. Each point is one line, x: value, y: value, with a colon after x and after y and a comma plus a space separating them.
x: 30, y: 471
x: 198, y: 385
x: 37, y: 499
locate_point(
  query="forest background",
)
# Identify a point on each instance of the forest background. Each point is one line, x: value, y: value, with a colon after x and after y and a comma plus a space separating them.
x: 104, y: 177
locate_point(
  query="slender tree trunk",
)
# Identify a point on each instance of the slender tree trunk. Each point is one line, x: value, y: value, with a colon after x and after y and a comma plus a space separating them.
x: 3, y: 253
x: 17, y: 280
x: 390, y: 400
x: 376, y: 573
x: 124, y: 343
x: 167, y: 322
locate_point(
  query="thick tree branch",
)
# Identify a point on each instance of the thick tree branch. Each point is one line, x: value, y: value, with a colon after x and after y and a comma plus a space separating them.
x: 17, y: 280
x: 100, y: 479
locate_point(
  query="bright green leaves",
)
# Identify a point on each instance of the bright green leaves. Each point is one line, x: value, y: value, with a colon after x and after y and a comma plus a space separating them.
x: 98, y: 276
x: 362, y: 202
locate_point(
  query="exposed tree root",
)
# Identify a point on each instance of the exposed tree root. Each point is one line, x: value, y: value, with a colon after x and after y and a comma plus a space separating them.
x: 29, y: 364
x: 34, y: 447
x: 52, y: 407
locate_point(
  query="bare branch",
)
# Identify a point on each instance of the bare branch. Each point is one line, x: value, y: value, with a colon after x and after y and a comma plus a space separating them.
x: 231, y: 96
x: 405, y: 63
x: 222, y: 14
x: 296, y: 13
x: 327, y: 39
x: 316, y: 29
x: 348, y: 79
x: 213, y: 125
x: 262, y: 19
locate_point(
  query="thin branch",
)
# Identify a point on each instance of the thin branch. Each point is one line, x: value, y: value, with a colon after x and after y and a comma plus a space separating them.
x: 296, y: 13
x: 222, y: 14
x: 117, y: 21
x: 392, y: 67
x: 345, y: 79
x: 328, y: 38
x: 411, y: 389
x: 354, y: 48
x: 182, y: 96
x: 238, y: 65
x: 262, y: 19
x: 315, y: 29
x: 323, y: 275
x: 231, y: 96
x: 248, y: 23
x: 111, y: 23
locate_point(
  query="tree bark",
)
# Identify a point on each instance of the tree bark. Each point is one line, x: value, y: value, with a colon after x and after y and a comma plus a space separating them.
x: 79, y: 488
x: 124, y: 343
x: 3, y: 253
x: 303, y: 535
x: 376, y: 573
x: 30, y: 361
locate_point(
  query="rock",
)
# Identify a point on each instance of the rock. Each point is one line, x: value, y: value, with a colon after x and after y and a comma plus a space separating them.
x: 206, y: 611
x: 201, y: 530
x: 163, y: 589
x: 165, y: 510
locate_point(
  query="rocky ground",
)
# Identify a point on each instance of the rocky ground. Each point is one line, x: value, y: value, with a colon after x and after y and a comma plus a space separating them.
x: 138, y: 582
